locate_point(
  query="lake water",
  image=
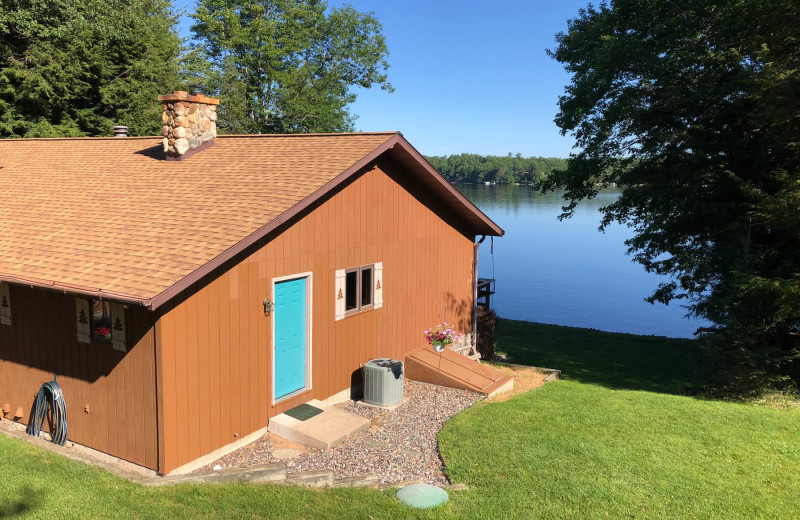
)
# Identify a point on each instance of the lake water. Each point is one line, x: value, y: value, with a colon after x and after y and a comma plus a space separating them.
x: 567, y: 272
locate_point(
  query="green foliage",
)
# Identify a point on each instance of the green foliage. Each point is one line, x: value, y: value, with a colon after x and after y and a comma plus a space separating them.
x: 470, y: 167
x: 692, y: 106
x: 79, y: 67
x: 287, y: 66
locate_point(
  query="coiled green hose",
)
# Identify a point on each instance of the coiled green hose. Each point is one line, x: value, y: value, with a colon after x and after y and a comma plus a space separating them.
x: 50, y: 396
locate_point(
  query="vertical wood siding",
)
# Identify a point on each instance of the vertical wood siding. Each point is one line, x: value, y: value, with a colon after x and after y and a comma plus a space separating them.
x: 118, y: 387
x: 216, y: 346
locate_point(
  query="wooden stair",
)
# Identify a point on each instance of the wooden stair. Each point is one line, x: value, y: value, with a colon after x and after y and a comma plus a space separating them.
x: 457, y: 371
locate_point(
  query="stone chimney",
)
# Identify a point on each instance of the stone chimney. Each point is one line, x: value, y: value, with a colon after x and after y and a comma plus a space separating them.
x: 189, y: 123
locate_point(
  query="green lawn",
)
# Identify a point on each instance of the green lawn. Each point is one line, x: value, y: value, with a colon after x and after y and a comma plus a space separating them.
x: 38, y: 484
x: 651, y: 363
x: 571, y: 450
x: 611, y: 442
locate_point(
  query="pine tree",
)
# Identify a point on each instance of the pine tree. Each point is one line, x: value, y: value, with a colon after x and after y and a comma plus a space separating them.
x: 79, y: 67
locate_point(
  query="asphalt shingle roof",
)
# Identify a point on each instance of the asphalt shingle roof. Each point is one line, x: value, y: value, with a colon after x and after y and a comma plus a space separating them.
x: 112, y: 215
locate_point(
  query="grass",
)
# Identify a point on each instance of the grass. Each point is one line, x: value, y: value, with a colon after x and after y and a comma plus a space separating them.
x: 38, y: 484
x: 623, y: 361
x: 610, y: 442
x: 571, y: 450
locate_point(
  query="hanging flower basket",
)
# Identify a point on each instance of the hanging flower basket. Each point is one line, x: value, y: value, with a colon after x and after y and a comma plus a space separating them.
x: 102, y: 332
x: 442, y: 335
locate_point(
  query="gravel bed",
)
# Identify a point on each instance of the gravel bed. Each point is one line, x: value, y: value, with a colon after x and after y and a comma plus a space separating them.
x: 401, y: 444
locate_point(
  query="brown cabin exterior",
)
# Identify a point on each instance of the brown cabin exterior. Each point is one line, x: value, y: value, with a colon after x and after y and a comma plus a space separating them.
x: 195, y: 372
x: 119, y: 388
x: 214, y: 346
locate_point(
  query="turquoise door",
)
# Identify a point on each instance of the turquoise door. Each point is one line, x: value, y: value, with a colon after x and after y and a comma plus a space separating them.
x: 290, y: 336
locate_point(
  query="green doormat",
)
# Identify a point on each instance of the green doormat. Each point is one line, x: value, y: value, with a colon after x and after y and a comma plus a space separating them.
x: 303, y: 412
x: 422, y: 496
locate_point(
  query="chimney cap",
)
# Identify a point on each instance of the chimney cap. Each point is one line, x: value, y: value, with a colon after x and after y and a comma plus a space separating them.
x: 120, y: 131
x: 197, y: 88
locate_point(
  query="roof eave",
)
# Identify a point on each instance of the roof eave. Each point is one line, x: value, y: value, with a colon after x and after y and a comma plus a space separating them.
x: 253, y: 237
x: 482, y: 224
x: 90, y: 292
x: 395, y: 140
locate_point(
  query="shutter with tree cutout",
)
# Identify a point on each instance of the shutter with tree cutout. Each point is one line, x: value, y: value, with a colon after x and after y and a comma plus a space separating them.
x: 5, y: 304
x: 118, y: 327
x: 339, y: 294
x: 378, y: 296
x: 83, y: 319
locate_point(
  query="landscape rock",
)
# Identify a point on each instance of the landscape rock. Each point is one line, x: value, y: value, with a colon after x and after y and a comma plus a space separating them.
x: 402, y: 447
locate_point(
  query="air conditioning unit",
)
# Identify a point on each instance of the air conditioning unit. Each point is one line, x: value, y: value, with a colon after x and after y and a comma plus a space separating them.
x: 383, y: 382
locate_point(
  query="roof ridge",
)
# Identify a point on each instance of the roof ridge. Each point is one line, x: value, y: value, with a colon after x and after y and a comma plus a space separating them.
x: 319, y: 134
x: 221, y: 136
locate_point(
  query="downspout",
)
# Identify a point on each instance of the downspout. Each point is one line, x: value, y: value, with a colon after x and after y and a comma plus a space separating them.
x: 475, y: 247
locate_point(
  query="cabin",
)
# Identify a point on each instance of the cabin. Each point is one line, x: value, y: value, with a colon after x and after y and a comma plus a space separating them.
x: 183, y: 289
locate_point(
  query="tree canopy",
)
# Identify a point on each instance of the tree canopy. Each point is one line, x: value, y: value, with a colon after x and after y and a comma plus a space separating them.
x: 470, y: 167
x: 79, y: 67
x: 287, y: 66
x: 693, y: 107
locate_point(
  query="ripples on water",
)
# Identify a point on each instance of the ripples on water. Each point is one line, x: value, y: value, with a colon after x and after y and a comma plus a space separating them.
x: 567, y: 272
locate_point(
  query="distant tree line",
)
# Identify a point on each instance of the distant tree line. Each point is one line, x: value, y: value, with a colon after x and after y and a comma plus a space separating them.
x: 470, y: 167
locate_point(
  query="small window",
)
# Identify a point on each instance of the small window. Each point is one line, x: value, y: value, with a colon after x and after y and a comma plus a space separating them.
x: 351, y: 291
x: 366, y: 286
x: 101, y: 321
x: 358, y: 289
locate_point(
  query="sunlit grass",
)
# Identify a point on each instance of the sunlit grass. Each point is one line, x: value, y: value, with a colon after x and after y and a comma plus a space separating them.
x: 571, y: 450
x: 610, y: 442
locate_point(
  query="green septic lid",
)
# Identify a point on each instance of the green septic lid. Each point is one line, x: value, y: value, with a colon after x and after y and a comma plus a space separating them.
x: 422, y: 496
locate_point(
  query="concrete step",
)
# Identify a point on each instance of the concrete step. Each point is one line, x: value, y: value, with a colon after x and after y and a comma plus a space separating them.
x: 322, y: 431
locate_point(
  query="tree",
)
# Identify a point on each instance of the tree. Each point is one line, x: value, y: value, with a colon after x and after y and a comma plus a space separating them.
x: 79, y: 67
x: 287, y: 66
x: 692, y: 106
x: 468, y: 167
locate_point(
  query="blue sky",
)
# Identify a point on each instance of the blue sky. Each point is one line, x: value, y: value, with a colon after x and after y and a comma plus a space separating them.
x: 469, y: 76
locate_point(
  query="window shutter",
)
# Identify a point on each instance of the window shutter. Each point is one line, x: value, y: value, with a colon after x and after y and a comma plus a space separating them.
x: 339, y: 294
x: 5, y: 304
x: 378, y: 296
x: 83, y: 319
x: 118, y: 327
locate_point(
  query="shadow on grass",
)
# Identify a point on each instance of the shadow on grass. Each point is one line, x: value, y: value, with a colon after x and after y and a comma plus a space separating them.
x: 622, y: 361
x: 26, y: 500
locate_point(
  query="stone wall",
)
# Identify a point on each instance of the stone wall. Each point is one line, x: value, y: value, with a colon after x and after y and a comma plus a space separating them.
x: 189, y: 121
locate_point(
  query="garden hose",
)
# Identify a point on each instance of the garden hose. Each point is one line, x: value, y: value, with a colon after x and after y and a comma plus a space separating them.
x: 50, y: 398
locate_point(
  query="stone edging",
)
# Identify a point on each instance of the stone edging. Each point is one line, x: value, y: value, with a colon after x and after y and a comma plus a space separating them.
x: 276, y: 474
x: 267, y: 473
x: 258, y: 474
